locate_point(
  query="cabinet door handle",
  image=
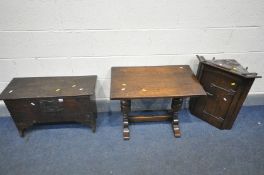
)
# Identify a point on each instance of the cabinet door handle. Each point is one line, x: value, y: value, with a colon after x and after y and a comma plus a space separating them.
x: 209, y: 94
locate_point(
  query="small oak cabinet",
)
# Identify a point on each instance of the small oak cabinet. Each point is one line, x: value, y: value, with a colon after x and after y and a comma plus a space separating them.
x: 227, y: 84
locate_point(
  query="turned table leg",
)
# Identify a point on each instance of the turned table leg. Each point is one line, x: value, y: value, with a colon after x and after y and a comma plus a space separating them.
x: 176, y: 104
x: 125, y: 109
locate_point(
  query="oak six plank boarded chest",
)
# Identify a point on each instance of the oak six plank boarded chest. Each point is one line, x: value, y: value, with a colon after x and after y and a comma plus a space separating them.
x: 37, y: 100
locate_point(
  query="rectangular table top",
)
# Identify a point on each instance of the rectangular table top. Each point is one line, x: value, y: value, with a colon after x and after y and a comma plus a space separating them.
x: 41, y: 87
x: 154, y: 82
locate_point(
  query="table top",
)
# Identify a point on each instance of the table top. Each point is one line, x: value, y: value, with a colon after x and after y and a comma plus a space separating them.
x: 41, y: 87
x: 154, y: 82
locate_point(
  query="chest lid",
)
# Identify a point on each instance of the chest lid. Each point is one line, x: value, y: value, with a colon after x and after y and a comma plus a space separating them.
x: 41, y: 87
x: 229, y: 65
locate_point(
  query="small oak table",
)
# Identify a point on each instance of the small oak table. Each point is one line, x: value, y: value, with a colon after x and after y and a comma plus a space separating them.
x: 175, y: 82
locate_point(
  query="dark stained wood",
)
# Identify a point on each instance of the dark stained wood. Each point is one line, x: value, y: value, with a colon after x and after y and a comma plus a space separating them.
x: 42, y: 87
x: 38, y: 108
x: 176, y: 82
x: 176, y: 105
x: 229, y: 65
x: 227, y: 84
x: 149, y: 118
x: 125, y: 109
x: 154, y: 82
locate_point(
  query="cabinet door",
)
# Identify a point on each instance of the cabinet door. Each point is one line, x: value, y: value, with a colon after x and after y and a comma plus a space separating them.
x: 221, y: 89
x: 218, y: 101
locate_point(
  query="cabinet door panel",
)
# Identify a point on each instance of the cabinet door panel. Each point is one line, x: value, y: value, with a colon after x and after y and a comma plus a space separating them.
x: 221, y: 89
x: 218, y: 102
x: 220, y: 80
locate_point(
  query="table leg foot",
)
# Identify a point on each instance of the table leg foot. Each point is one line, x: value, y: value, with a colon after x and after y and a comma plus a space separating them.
x: 126, y: 134
x: 176, y: 130
x: 125, y: 108
x: 94, y: 128
x: 21, y: 132
x: 176, y: 105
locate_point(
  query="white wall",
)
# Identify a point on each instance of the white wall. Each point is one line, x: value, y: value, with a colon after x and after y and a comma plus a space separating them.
x: 78, y: 37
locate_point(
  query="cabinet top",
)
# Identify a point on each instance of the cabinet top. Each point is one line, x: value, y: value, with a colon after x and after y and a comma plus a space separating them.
x: 43, y: 87
x: 229, y: 65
